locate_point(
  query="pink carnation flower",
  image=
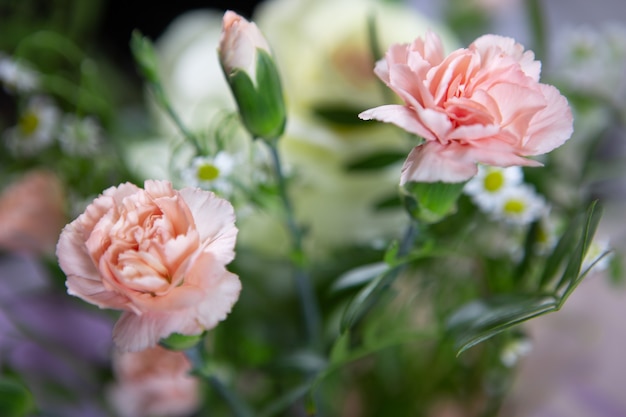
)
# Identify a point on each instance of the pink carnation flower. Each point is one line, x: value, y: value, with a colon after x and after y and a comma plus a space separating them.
x: 32, y: 213
x: 154, y: 382
x: 483, y: 104
x: 159, y: 255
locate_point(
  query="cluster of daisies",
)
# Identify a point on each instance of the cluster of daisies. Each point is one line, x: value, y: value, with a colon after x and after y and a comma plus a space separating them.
x: 40, y: 122
x: 502, y: 195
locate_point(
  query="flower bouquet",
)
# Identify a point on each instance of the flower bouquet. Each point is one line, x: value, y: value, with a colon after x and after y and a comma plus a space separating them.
x: 334, y: 208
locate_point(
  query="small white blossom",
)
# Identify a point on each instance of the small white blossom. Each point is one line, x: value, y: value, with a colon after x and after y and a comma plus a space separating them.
x: 597, y: 249
x: 519, y: 205
x: 80, y: 137
x: 515, y: 350
x: 592, y: 60
x: 490, y: 182
x: 35, y: 129
x: 16, y: 76
x: 211, y: 173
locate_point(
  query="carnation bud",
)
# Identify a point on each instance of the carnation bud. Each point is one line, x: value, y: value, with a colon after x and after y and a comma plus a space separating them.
x: 252, y: 76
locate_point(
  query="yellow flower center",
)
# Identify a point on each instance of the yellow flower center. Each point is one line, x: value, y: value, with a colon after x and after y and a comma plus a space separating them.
x: 514, y: 206
x: 494, y: 181
x: 207, y: 172
x: 28, y: 123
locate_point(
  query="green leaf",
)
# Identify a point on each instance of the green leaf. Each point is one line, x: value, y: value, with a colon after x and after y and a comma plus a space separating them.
x: 145, y: 56
x: 359, y: 276
x: 572, y: 270
x: 340, y: 114
x: 392, y: 202
x: 367, y: 298
x: 281, y: 403
x: 15, y: 399
x: 376, y: 161
x: 564, y: 246
x: 480, y: 320
x: 391, y: 254
x: 341, y: 348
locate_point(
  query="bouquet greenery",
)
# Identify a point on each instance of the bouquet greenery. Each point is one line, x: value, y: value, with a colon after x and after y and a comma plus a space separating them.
x: 336, y: 208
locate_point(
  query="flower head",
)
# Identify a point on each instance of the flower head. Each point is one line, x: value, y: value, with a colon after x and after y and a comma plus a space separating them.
x: 490, y: 182
x: 252, y: 76
x: 32, y: 213
x: 210, y: 173
x: 16, y: 76
x: 483, y: 104
x: 80, y: 136
x: 519, y: 205
x: 156, y: 253
x: 35, y: 129
x: 152, y: 383
x: 240, y: 44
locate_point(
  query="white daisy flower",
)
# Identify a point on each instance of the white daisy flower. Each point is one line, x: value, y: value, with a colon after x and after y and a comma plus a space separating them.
x: 515, y: 350
x: 16, y: 76
x: 596, y: 249
x: 485, y: 187
x: 35, y: 129
x: 519, y: 205
x: 81, y: 137
x: 592, y: 60
x: 210, y: 173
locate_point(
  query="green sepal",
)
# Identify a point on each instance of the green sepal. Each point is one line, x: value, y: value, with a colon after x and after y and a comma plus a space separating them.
x: 261, y: 104
x: 177, y: 341
x: 430, y: 202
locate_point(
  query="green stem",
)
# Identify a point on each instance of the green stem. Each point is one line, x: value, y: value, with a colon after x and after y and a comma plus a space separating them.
x: 537, y: 28
x: 230, y: 398
x: 161, y: 97
x: 304, y: 287
x: 236, y: 404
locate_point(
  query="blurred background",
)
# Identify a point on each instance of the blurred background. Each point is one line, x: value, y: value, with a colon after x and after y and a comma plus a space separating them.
x: 576, y: 367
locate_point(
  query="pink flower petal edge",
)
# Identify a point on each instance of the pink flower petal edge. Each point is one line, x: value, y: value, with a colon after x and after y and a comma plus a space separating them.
x: 483, y: 104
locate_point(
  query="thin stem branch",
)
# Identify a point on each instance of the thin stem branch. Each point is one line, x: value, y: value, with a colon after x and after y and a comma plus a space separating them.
x: 236, y: 404
x: 302, y: 279
x: 161, y: 97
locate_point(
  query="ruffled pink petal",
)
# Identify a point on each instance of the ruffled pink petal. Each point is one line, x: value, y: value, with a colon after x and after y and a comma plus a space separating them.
x: 433, y: 162
x: 399, y: 115
x: 437, y: 122
x: 408, y: 86
x: 431, y: 48
x: 497, y: 152
x: 518, y: 106
x: 134, y: 332
x: 221, y: 290
x: 74, y: 259
x: 552, y: 126
x: 95, y: 293
x: 215, y: 222
x: 184, y: 297
x: 494, y: 47
x: 471, y: 132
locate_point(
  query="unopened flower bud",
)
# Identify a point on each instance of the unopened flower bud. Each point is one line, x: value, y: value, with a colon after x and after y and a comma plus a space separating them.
x: 252, y: 76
